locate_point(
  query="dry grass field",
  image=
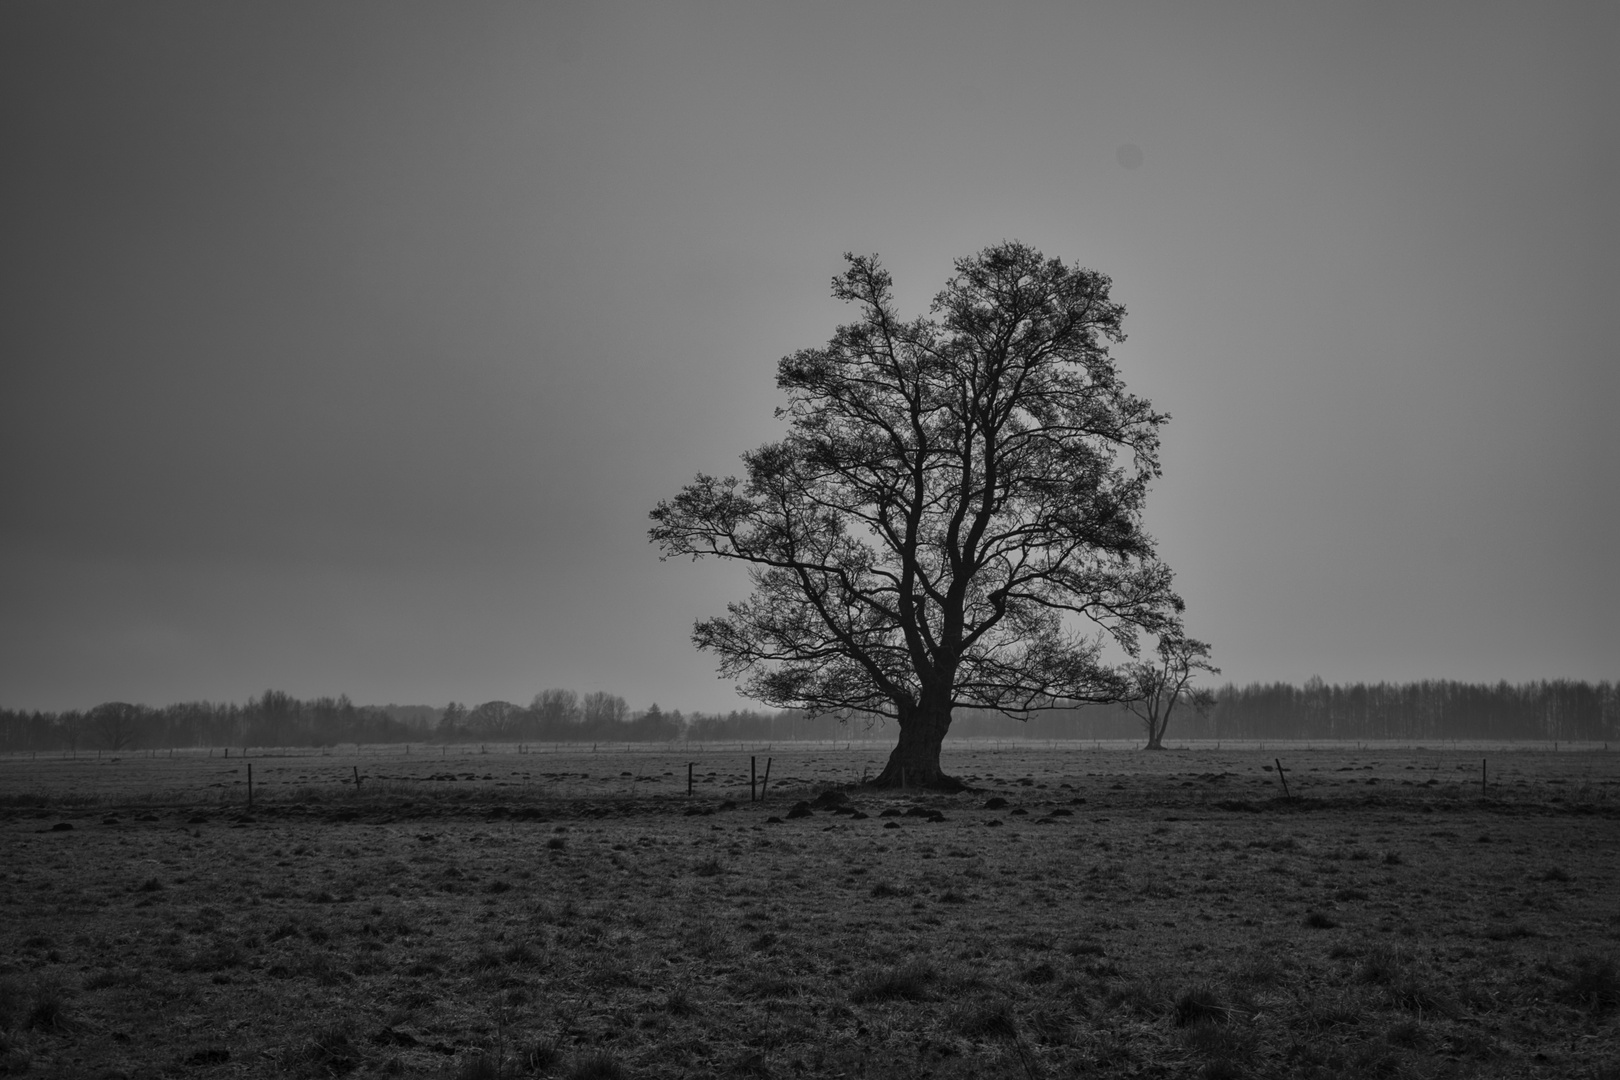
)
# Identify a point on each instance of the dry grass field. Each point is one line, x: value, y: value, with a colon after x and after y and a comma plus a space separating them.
x: 575, y: 914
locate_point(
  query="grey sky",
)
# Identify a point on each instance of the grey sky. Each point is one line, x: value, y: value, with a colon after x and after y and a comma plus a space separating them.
x: 346, y: 347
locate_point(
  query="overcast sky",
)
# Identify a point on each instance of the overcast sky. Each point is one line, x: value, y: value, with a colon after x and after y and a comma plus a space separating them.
x: 345, y: 347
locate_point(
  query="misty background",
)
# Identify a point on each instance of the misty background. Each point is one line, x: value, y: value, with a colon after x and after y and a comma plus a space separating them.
x: 344, y: 348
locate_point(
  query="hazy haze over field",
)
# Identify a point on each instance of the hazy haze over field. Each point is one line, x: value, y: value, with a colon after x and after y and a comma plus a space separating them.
x: 346, y: 347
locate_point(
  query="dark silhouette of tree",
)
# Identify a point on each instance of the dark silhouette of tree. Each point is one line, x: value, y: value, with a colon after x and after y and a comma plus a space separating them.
x: 604, y: 715
x: 452, y: 722
x: 276, y: 718
x: 556, y: 714
x: 27, y: 730
x: 654, y: 725
x: 739, y: 725
x: 494, y: 720
x: 117, y: 724
x: 1160, y: 684
x: 954, y: 518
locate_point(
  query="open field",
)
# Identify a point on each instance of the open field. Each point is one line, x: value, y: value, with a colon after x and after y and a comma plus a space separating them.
x: 1084, y: 910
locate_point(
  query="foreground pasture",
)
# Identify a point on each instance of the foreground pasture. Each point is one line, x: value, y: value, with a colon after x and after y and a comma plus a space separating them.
x: 577, y: 914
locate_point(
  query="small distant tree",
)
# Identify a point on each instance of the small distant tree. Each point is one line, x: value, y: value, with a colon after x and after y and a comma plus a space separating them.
x: 1160, y: 684
x: 605, y: 715
x: 497, y: 720
x: 656, y: 725
x: 73, y: 726
x: 556, y: 714
x: 452, y: 722
x: 117, y: 724
x: 275, y: 718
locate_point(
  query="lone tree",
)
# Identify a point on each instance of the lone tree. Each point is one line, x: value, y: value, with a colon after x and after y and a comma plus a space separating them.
x: 1158, y: 685
x: 954, y: 517
x: 117, y: 724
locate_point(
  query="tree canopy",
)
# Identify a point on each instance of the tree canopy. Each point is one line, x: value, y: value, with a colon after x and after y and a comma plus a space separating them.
x: 954, y: 516
x: 1160, y: 684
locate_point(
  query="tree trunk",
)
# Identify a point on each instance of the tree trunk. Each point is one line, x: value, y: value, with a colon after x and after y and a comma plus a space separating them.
x: 1155, y: 731
x: 914, y: 762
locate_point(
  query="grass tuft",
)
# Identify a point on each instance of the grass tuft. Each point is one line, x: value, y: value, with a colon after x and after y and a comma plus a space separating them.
x: 108, y: 978
x: 486, y: 959
x: 985, y: 1020
x: 522, y: 955
x: 1413, y: 993
x: 14, y: 1060
x: 1381, y: 966
x: 1137, y: 997
x: 330, y: 1052
x: 1221, y: 1046
x: 908, y: 982
x: 1261, y: 969
x: 1199, y: 1005
x: 1223, y: 1068
x: 12, y: 998
x: 1039, y: 975
x: 480, y: 1065
x: 1593, y: 983
x: 761, y: 985
x: 598, y: 1066
x: 1335, y: 1012
x: 542, y: 1055
x: 48, y: 1010
x: 1406, y: 1033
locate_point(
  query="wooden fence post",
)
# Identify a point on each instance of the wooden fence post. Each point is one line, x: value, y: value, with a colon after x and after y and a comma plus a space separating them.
x: 753, y: 772
x: 689, y: 778
x: 357, y: 778
x: 250, y: 786
x: 1283, y: 778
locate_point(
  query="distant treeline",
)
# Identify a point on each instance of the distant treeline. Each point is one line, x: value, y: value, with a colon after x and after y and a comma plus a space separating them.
x: 279, y: 719
x: 1561, y: 710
